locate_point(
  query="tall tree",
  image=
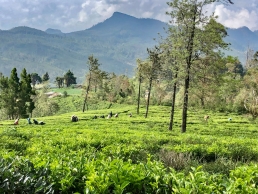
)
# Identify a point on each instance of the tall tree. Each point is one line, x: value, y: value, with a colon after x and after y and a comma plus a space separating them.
x: 93, y: 67
x: 250, y: 91
x: 139, y: 75
x: 150, y: 72
x: 174, y: 71
x: 5, y: 96
x: 16, y: 94
x: 171, y: 68
x: 196, y: 35
x: 14, y: 86
x: 25, y: 104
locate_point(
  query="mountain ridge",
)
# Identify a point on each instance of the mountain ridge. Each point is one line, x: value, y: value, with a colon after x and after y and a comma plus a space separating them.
x: 117, y: 42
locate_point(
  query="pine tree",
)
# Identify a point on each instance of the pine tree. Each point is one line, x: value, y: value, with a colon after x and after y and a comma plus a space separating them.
x: 14, y: 87
x: 45, y: 77
x: 26, y: 105
x: 5, y: 96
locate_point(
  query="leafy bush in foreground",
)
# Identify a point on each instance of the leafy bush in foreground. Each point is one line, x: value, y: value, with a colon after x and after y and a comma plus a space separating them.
x: 116, y: 176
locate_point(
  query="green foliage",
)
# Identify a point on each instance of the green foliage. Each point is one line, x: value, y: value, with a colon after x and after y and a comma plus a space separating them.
x: 35, y: 78
x: 45, y: 77
x: 193, y: 37
x: 69, y: 78
x: 20, y: 176
x: 129, y: 154
x: 116, y: 44
x: 65, y: 94
x: 16, y: 95
x: 43, y: 105
x: 25, y: 103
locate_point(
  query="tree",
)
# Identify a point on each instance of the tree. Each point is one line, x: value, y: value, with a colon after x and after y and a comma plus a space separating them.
x: 140, y: 65
x: 250, y: 91
x: 5, y: 96
x: 195, y: 35
x: 59, y: 82
x: 226, y: 1
x: 14, y: 86
x: 35, y: 78
x: 251, y: 58
x: 93, y: 66
x: 230, y: 1
x: 43, y: 105
x: 174, y: 71
x: 231, y: 84
x: 206, y: 79
x: 16, y: 94
x: 170, y: 69
x: 25, y: 104
x: 45, y: 77
x: 234, y: 67
x: 150, y: 71
x: 69, y: 78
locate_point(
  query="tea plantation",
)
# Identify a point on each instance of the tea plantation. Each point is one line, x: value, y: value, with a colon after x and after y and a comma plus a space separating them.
x: 130, y: 154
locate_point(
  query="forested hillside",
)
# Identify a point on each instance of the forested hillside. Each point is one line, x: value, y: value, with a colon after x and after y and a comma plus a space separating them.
x: 117, y: 42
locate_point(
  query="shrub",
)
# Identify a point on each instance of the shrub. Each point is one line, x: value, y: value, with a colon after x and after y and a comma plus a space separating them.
x: 178, y: 161
x: 20, y: 176
x: 65, y: 94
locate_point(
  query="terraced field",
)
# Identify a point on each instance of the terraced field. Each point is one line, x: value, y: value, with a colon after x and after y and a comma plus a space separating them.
x: 130, y: 154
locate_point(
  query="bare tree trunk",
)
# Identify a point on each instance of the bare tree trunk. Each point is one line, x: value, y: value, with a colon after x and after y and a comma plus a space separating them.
x: 148, y: 99
x: 185, y: 104
x: 139, y: 95
x: 202, y: 102
x: 173, y: 105
x: 86, y: 95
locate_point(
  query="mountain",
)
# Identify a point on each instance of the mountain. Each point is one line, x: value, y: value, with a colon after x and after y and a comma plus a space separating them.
x: 117, y: 42
x: 122, y: 26
x: 240, y: 39
x: 53, y: 31
x: 256, y: 32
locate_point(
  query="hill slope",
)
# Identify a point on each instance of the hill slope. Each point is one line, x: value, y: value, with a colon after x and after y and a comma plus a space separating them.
x: 240, y: 40
x: 117, y: 42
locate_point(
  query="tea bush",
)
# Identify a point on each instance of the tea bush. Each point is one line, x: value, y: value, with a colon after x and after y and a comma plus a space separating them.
x: 129, y: 154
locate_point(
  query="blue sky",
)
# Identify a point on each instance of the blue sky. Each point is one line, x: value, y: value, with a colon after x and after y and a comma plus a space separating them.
x: 75, y: 15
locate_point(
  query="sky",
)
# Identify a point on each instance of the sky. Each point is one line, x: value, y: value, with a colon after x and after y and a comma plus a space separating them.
x: 76, y: 15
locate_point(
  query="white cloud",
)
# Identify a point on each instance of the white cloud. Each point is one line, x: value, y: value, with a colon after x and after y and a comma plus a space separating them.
x: 74, y: 15
x: 237, y: 18
x: 147, y: 14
